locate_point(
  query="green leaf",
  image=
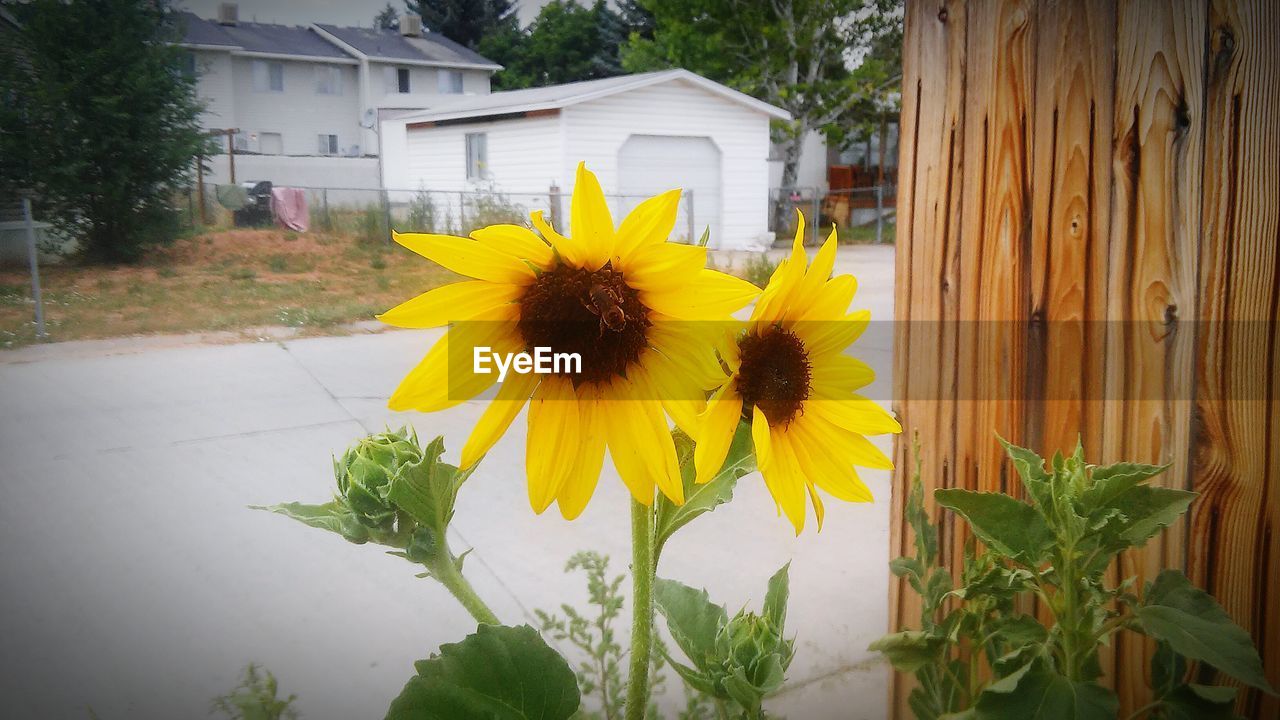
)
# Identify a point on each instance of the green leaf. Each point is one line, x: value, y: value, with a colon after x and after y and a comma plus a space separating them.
x: 333, y: 516
x: 700, y: 499
x: 775, y: 599
x: 497, y: 673
x: 909, y: 650
x: 692, y: 619
x: 1167, y: 669
x: 1008, y: 526
x: 1141, y: 512
x: 1199, y: 702
x: 1110, y: 481
x: 926, y: 535
x: 1030, y: 468
x: 1036, y: 693
x: 1196, y: 627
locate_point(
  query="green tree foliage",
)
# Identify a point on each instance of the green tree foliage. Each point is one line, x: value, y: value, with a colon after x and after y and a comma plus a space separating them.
x: 102, y: 120
x: 467, y: 22
x: 794, y: 54
x: 386, y: 19
x: 567, y: 42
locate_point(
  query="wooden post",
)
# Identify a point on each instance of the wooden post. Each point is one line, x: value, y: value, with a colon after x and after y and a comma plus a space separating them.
x: 1089, y: 235
x: 204, y: 217
x: 231, y: 153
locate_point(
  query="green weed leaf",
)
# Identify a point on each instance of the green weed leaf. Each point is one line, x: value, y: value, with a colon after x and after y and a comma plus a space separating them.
x: 909, y: 650
x: 700, y: 499
x: 691, y: 617
x: 497, y: 673
x: 1196, y: 627
x: 1035, y: 692
x: 333, y: 516
x: 1008, y: 526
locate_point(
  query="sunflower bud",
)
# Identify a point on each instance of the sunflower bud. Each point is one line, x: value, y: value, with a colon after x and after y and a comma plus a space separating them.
x: 365, y: 473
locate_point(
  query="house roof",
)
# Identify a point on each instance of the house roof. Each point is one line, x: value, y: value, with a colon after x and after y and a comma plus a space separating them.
x: 329, y: 41
x: 391, y: 46
x: 259, y: 38
x: 559, y: 96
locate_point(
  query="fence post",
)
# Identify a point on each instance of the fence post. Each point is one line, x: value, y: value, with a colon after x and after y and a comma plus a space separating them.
x: 35, y: 267
x: 689, y: 219
x: 816, y: 221
x: 879, y: 214
x: 324, y: 201
x: 553, y: 202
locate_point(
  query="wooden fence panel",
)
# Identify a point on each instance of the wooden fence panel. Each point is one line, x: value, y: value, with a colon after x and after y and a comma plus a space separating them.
x: 1089, y: 215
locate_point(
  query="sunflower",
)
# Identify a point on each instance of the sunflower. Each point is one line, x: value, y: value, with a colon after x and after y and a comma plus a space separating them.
x: 619, y: 297
x: 792, y: 382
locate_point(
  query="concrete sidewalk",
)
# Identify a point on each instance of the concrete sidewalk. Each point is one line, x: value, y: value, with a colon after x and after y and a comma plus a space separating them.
x: 137, y: 583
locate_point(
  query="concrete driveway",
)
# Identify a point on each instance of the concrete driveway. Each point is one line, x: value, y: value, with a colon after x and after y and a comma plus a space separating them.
x: 137, y: 583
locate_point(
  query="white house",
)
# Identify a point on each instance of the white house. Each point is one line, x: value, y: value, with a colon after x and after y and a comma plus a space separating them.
x: 301, y: 97
x: 641, y: 134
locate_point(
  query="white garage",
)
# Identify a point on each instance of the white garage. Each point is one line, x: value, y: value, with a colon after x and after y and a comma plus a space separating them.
x: 640, y: 134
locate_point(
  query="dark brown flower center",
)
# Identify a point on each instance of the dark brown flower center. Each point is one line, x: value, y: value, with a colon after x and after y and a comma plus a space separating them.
x: 592, y: 313
x: 773, y: 375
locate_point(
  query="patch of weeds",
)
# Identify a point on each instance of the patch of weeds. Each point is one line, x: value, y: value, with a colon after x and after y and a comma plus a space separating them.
x: 136, y: 287
x: 383, y: 282
x: 242, y: 273
x: 257, y: 697
x: 377, y: 262
x: 278, y: 263
x: 290, y: 236
x: 13, y: 295
x: 166, y: 271
x: 759, y: 269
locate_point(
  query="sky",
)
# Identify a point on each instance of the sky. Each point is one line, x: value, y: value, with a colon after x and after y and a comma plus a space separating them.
x: 335, y: 12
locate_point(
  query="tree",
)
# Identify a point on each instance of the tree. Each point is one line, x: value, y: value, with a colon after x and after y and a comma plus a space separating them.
x: 790, y: 53
x: 386, y: 19
x: 106, y: 122
x: 467, y: 22
x: 567, y: 42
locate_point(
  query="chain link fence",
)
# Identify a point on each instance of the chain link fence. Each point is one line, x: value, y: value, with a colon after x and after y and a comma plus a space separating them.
x: 859, y: 212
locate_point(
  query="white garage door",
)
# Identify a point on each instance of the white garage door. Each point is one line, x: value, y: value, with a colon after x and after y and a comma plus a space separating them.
x: 650, y: 164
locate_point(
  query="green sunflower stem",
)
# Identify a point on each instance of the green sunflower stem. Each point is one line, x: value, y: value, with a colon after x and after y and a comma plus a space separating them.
x: 447, y: 573
x: 643, y: 571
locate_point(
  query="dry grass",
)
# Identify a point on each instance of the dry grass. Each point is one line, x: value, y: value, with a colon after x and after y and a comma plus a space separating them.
x: 227, y: 280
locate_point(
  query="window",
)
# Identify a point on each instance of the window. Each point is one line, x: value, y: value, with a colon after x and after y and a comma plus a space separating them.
x: 328, y: 80
x: 187, y: 65
x: 396, y: 79
x: 270, y: 143
x: 328, y: 144
x: 268, y: 76
x: 477, y: 156
x: 450, y: 82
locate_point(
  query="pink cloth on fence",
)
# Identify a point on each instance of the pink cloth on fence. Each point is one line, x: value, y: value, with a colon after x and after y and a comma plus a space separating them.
x: 289, y: 205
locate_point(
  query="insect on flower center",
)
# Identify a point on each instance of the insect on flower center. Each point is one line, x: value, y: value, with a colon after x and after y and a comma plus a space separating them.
x: 589, y: 312
x: 774, y: 374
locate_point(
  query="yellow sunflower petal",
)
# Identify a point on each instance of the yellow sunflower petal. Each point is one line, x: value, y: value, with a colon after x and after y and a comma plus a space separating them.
x: 818, y: 509
x: 819, y: 447
x: 580, y: 484
x: 663, y: 267
x: 815, y: 278
x: 854, y: 413
x: 493, y: 423
x: 832, y: 301
x: 840, y: 374
x: 590, y: 222
x: 680, y: 393
x: 690, y: 349
x: 468, y: 257
x: 446, y: 378
x: 713, y: 295
x: 649, y: 223
x: 518, y: 241
x: 456, y: 301
x: 716, y: 426
x: 760, y: 437
x: 640, y: 443
x: 784, y: 479
x: 773, y: 302
x: 552, y: 447
x: 832, y: 336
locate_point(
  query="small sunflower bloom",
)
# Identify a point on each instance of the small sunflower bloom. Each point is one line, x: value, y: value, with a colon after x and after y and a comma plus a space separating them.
x: 791, y: 381
x: 623, y: 298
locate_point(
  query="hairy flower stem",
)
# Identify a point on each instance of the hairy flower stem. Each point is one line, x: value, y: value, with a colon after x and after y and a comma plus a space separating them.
x: 446, y: 571
x: 643, y: 571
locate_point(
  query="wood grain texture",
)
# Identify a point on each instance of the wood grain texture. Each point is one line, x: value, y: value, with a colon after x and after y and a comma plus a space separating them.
x: 1233, y: 549
x: 1089, y: 246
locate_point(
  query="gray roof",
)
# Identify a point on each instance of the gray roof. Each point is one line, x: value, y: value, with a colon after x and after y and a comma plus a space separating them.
x: 259, y: 37
x: 558, y: 96
x: 390, y: 45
